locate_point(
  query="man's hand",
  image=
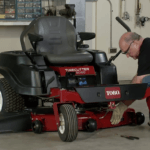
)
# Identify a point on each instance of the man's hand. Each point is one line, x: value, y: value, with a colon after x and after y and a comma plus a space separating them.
x: 118, y: 113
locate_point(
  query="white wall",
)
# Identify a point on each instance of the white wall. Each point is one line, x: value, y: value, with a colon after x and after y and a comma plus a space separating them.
x: 9, y: 36
x: 90, y: 22
x: 127, y: 67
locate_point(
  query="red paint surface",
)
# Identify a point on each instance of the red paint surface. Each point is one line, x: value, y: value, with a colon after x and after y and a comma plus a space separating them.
x: 80, y: 70
x: 147, y: 93
x: 148, y: 103
x: 49, y: 121
x: 66, y: 95
x: 111, y: 105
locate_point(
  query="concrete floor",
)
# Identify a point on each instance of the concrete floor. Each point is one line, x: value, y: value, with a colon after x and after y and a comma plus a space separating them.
x: 106, y: 139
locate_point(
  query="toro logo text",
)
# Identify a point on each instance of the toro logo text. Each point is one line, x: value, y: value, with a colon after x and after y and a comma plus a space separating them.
x: 112, y: 93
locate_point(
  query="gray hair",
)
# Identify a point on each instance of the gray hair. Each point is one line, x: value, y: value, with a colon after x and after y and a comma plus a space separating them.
x: 132, y: 37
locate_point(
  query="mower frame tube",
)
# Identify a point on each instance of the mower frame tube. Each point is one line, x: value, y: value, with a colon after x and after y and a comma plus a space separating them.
x: 56, y: 111
x: 66, y: 97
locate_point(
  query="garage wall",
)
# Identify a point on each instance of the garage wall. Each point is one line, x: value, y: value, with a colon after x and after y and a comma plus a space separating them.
x: 127, y: 67
x: 90, y: 22
x: 9, y: 38
x: 97, y: 20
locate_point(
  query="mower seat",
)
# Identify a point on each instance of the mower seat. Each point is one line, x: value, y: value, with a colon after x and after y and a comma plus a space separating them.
x: 69, y: 58
x: 59, y: 42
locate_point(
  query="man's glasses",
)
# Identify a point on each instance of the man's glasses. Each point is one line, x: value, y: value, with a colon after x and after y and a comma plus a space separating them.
x: 128, y: 48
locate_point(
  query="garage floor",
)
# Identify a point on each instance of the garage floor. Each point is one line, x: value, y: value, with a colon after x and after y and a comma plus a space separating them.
x: 108, y: 139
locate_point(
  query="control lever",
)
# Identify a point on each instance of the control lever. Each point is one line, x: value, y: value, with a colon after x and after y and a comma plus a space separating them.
x: 128, y: 30
x: 112, y: 58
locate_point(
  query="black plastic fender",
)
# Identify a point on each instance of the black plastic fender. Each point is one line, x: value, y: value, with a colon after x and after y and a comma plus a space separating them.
x: 24, y: 77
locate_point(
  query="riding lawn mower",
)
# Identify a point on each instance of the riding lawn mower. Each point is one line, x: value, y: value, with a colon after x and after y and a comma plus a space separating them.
x: 59, y: 86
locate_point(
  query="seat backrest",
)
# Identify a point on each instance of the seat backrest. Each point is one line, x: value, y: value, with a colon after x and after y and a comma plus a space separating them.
x: 58, y: 33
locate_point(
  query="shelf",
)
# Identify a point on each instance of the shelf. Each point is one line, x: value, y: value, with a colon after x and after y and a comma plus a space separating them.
x: 14, y: 23
x: 25, y: 12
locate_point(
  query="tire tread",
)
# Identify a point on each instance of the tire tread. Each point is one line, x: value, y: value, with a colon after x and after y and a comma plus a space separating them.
x: 14, y: 102
x: 72, y: 123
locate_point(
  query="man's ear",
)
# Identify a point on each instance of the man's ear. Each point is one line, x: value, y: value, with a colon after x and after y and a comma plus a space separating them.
x: 136, y: 44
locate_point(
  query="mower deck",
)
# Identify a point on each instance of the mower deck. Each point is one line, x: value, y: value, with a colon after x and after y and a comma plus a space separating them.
x: 17, y: 122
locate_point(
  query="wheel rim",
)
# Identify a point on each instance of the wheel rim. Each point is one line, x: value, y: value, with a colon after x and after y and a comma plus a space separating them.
x: 62, y: 123
x: 1, y: 101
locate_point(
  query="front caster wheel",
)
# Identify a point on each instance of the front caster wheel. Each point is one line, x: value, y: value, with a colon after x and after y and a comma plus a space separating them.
x: 91, y: 125
x: 37, y: 127
x: 68, y: 129
x: 140, y: 118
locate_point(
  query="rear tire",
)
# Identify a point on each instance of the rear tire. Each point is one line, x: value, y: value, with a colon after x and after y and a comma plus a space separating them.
x: 68, y: 129
x: 10, y: 101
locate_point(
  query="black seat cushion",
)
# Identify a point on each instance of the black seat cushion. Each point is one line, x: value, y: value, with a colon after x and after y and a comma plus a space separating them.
x: 69, y: 58
x: 59, y: 41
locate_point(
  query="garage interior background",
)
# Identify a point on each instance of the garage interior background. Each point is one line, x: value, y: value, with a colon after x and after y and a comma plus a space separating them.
x: 97, y: 18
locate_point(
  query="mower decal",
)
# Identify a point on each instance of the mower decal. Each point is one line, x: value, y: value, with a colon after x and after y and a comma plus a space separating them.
x: 78, y: 70
x: 112, y: 92
x: 81, y: 70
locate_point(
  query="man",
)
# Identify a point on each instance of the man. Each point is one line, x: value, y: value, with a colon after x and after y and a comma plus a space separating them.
x: 133, y: 45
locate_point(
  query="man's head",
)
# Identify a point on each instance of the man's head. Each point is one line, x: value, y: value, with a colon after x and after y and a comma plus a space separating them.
x: 130, y: 44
